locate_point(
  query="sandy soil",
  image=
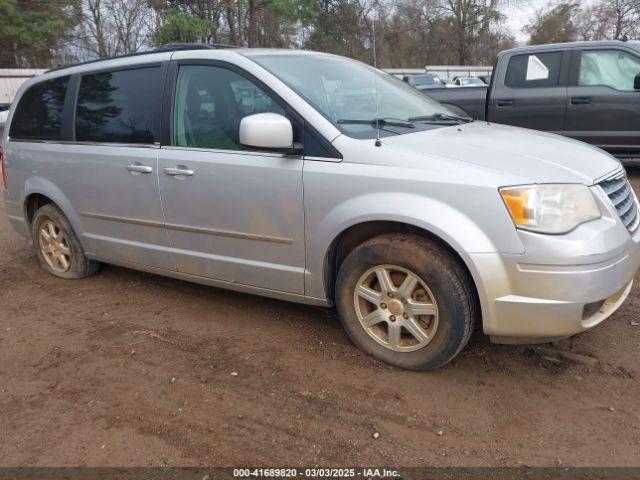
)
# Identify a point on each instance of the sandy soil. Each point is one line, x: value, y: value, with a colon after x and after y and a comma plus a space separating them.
x: 127, y: 368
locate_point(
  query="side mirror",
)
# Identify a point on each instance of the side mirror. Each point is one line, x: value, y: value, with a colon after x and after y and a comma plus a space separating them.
x: 636, y: 82
x: 267, y: 131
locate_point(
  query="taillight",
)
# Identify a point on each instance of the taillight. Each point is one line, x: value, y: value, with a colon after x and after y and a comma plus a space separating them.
x: 4, y: 172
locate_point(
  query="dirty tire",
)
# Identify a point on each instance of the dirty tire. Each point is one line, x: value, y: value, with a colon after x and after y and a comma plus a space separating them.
x: 80, y: 266
x: 444, y: 275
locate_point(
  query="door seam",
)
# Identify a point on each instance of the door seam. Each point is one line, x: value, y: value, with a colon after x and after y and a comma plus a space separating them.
x: 164, y: 218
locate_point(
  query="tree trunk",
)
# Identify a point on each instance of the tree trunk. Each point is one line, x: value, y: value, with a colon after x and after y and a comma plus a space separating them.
x: 232, y: 24
x: 251, y: 35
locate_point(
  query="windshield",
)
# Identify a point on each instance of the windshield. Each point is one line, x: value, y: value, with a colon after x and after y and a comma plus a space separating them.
x: 344, y: 90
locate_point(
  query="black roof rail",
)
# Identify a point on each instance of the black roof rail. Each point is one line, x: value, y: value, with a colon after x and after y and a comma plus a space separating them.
x: 172, y: 47
x: 169, y: 47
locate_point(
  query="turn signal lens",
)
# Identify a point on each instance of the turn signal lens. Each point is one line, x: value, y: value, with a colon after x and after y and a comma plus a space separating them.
x: 552, y: 209
x: 516, y: 202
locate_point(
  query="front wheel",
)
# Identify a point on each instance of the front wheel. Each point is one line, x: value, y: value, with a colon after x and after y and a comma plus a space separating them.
x: 406, y: 300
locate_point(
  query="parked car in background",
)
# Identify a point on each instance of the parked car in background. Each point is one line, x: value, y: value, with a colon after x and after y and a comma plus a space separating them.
x: 417, y: 224
x: 468, y: 82
x: 589, y: 91
x: 423, y: 82
x: 486, y: 79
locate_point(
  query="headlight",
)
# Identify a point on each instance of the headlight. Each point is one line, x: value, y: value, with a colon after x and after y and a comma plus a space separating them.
x: 550, y: 208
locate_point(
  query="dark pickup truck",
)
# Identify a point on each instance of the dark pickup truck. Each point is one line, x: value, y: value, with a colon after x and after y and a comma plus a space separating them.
x: 589, y: 91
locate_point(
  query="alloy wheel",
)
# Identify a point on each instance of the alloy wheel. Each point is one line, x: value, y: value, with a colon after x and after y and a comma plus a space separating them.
x: 54, y: 246
x: 396, y: 308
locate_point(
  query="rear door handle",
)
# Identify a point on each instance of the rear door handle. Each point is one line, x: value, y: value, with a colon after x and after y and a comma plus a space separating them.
x: 178, y: 171
x: 505, y: 102
x: 138, y: 169
x: 580, y: 100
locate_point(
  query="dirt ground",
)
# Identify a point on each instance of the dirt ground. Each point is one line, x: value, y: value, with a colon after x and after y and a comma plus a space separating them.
x: 127, y: 368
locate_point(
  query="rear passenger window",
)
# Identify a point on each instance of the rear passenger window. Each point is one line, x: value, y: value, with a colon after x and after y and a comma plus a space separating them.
x: 534, y: 71
x: 39, y: 113
x: 118, y: 106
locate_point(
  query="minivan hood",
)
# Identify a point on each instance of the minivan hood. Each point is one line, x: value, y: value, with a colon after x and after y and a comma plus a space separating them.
x: 539, y: 157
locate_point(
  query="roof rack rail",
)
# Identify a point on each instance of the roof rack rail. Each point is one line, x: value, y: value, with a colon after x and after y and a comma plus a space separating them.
x: 169, y: 47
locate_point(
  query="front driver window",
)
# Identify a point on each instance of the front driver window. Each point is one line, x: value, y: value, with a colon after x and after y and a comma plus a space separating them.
x: 209, y: 104
x: 609, y: 68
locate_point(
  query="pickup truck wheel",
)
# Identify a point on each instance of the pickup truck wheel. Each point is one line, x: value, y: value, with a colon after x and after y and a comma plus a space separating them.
x: 57, y: 246
x: 406, y: 300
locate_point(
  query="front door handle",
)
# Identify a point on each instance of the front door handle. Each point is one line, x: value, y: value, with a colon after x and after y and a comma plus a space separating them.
x: 178, y: 171
x: 505, y: 102
x: 138, y: 169
x: 580, y: 100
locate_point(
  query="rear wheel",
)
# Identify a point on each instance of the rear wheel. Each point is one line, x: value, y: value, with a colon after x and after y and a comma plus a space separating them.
x: 57, y: 246
x: 406, y: 300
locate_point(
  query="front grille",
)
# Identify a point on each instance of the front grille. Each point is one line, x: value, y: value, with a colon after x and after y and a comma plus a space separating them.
x: 621, y: 194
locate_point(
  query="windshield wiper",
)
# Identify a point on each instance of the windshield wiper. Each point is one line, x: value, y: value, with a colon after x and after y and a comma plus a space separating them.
x: 380, y: 122
x: 441, y: 117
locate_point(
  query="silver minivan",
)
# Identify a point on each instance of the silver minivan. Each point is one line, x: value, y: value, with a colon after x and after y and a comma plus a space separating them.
x: 318, y: 179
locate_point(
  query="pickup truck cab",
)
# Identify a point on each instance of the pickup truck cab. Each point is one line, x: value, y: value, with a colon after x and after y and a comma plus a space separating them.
x: 589, y: 91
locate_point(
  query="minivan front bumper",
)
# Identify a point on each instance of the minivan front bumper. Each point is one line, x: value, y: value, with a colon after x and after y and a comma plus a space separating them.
x: 561, y: 285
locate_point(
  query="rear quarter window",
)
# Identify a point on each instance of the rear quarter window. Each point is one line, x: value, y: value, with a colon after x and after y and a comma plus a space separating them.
x: 38, y: 115
x: 119, y: 106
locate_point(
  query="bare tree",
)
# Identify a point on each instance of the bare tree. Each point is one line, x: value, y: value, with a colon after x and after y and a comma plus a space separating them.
x: 591, y: 23
x: 93, y: 29
x: 113, y: 27
x: 133, y: 20
x: 620, y: 17
x: 604, y: 20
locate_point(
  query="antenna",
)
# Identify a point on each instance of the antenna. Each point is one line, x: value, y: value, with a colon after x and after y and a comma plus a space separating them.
x: 375, y: 81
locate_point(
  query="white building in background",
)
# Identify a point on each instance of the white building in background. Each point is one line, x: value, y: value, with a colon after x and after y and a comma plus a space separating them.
x: 12, y: 78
